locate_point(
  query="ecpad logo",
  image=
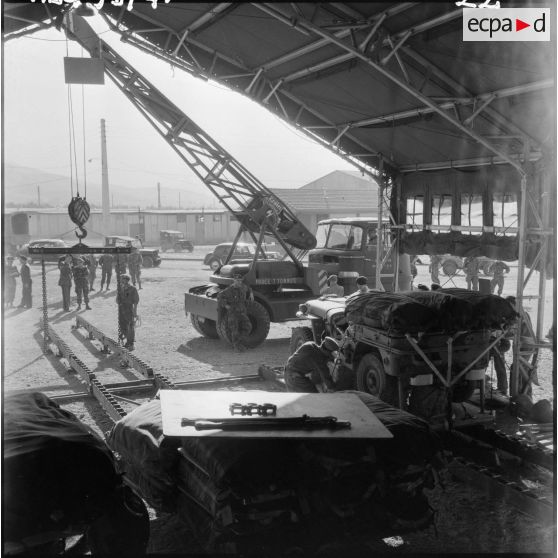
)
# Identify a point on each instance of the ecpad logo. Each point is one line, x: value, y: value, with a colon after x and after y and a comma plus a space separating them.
x: 506, y: 24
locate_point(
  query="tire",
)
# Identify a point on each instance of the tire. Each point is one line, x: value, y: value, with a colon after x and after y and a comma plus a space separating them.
x: 299, y: 336
x: 147, y: 261
x: 204, y: 326
x: 371, y: 378
x: 123, y: 530
x: 260, y: 320
x: 190, y: 249
x: 449, y: 268
x: 177, y: 248
x: 214, y: 264
x: 463, y: 391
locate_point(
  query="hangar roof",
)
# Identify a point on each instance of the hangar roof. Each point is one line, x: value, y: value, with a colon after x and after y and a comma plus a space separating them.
x: 381, y: 83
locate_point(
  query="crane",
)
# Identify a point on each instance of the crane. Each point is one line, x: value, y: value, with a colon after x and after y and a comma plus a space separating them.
x: 279, y: 286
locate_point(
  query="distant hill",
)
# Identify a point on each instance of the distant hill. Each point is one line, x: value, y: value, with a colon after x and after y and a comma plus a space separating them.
x: 20, y: 189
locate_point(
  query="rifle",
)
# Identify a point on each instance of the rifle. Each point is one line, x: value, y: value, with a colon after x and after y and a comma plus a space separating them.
x: 303, y: 422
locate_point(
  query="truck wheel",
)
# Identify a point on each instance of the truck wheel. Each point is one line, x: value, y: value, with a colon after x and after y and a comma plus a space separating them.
x: 299, y: 336
x: 123, y: 530
x: 178, y: 248
x: 214, y: 264
x: 147, y: 261
x: 449, y: 268
x: 204, y: 326
x: 371, y: 378
x: 259, y: 319
x: 463, y: 391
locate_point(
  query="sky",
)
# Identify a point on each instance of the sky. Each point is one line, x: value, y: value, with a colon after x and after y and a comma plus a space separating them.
x: 36, y: 130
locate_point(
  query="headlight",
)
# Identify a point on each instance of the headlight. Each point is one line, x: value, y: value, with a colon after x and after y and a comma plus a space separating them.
x: 303, y: 308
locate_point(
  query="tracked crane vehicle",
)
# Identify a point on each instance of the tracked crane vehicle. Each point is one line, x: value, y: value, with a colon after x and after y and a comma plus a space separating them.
x: 279, y: 286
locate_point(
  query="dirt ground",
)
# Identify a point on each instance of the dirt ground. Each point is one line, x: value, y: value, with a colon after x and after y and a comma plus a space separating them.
x: 468, y: 520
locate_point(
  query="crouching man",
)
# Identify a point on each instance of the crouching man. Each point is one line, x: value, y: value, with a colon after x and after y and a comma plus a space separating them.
x: 307, y: 370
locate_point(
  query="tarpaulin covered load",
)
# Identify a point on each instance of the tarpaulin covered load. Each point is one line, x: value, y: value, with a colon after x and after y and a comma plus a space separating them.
x: 488, y: 311
x: 57, y: 471
x: 227, y: 488
x: 442, y: 310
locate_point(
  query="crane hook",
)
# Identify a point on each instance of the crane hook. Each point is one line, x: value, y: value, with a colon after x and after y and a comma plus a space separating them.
x: 83, y: 233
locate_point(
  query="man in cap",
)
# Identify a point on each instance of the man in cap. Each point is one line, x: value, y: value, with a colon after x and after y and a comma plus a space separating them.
x: 91, y: 263
x: 307, y: 369
x: 10, y: 275
x: 333, y: 287
x: 81, y: 282
x: 65, y: 280
x: 471, y: 268
x: 127, y: 300
x: 232, y: 307
x: 106, y: 262
x: 26, y: 284
x: 435, y: 268
x: 135, y: 261
x: 498, y: 269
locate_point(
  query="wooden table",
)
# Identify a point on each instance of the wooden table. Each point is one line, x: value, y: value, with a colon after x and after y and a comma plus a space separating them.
x: 177, y: 404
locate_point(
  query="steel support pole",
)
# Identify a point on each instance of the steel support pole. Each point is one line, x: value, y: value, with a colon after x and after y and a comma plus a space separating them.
x: 514, y: 372
x: 46, y: 338
x: 379, y: 235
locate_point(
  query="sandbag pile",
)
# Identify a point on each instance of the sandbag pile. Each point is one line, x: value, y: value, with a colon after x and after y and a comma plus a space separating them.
x: 238, y: 493
x: 443, y: 310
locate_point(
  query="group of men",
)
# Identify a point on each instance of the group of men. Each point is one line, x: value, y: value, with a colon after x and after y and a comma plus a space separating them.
x: 82, y: 270
x: 471, y: 267
x: 10, y: 276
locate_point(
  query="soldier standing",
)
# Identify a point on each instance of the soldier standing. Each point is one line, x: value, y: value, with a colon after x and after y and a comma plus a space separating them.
x: 121, y: 263
x: 65, y: 280
x: 26, y: 284
x: 10, y: 274
x: 92, y: 265
x: 231, y: 306
x: 435, y: 269
x: 106, y: 261
x: 128, y: 300
x: 81, y: 283
x: 135, y: 261
x: 471, y: 268
x: 498, y: 269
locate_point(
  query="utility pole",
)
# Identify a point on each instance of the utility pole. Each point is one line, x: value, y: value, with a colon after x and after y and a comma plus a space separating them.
x: 39, y: 196
x: 159, y: 195
x: 105, y: 181
x: 179, y: 205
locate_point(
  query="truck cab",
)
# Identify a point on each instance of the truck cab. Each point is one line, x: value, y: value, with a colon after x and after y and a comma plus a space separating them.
x: 347, y: 247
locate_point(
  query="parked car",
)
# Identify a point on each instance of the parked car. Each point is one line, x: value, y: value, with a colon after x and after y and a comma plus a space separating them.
x: 43, y: 243
x: 150, y: 256
x: 174, y: 240
x: 243, y: 250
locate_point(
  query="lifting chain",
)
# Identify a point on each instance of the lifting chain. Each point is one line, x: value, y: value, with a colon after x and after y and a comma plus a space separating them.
x: 46, y: 338
x: 118, y: 299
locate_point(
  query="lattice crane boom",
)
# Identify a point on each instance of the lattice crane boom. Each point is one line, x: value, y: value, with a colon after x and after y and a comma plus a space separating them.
x: 254, y: 205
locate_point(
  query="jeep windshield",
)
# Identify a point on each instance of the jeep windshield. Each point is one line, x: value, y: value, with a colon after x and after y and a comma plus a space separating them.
x: 338, y: 236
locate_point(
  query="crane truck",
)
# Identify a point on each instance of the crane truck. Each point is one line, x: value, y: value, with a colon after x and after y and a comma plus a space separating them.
x: 279, y: 286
